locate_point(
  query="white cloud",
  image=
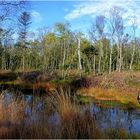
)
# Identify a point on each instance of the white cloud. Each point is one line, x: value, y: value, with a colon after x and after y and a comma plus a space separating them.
x: 36, y: 16
x: 92, y: 8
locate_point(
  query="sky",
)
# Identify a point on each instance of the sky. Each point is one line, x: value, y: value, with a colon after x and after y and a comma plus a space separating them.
x: 81, y: 13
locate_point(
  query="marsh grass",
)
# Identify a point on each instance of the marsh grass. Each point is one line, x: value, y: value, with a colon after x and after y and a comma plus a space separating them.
x: 74, y: 122
x: 119, y: 134
x: 121, y: 96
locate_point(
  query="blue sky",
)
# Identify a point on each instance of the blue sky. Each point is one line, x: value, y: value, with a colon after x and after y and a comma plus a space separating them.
x: 80, y: 13
x: 47, y: 13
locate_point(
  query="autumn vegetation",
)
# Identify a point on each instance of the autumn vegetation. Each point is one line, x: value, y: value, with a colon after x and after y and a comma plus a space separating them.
x: 60, y: 63
x: 73, y: 122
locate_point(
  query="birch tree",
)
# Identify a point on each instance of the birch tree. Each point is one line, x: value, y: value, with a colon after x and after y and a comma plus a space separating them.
x: 134, y: 27
x: 119, y: 31
x: 79, y: 52
x: 111, y: 35
x: 100, y: 24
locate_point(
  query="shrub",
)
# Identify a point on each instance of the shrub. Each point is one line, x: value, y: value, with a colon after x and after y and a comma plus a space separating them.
x: 81, y: 82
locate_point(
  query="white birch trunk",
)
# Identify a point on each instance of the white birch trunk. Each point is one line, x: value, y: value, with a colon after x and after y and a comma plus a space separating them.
x: 79, y: 54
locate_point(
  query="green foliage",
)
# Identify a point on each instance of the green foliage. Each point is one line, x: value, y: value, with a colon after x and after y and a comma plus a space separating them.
x: 83, y: 99
x: 57, y: 49
x: 90, y: 51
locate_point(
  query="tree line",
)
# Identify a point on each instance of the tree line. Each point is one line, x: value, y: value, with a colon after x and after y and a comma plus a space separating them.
x: 108, y: 47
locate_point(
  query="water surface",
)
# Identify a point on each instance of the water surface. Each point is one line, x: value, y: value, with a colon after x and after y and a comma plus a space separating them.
x: 106, y: 117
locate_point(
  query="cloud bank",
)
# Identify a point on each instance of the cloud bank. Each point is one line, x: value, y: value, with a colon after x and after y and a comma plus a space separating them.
x: 102, y: 7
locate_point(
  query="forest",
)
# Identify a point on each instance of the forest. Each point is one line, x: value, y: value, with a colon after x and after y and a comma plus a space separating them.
x: 106, y: 48
x: 66, y: 83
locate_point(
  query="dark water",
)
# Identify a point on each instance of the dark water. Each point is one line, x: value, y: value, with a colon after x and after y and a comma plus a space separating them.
x: 116, y: 117
x: 111, y: 117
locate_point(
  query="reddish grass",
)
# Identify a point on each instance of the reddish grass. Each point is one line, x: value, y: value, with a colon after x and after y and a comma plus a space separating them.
x: 124, y: 97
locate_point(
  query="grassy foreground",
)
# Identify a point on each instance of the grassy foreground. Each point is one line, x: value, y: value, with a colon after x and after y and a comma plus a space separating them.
x: 74, y: 122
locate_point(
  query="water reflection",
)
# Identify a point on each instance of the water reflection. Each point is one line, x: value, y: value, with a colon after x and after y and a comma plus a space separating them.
x: 117, y: 118
x: 114, y: 117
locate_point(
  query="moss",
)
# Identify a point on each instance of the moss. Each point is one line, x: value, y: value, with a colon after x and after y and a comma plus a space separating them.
x: 16, y: 86
x: 83, y: 99
x: 109, y: 103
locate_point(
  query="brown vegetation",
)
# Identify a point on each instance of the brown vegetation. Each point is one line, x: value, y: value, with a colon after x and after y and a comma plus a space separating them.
x: 74, y: 122
x: 121, y: 87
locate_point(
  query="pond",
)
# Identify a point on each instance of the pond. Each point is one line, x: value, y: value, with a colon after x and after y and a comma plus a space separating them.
x: 106, y: 117
x: 116, y: 117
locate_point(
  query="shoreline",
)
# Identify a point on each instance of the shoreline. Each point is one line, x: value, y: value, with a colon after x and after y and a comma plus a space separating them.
x: 122, y: 87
